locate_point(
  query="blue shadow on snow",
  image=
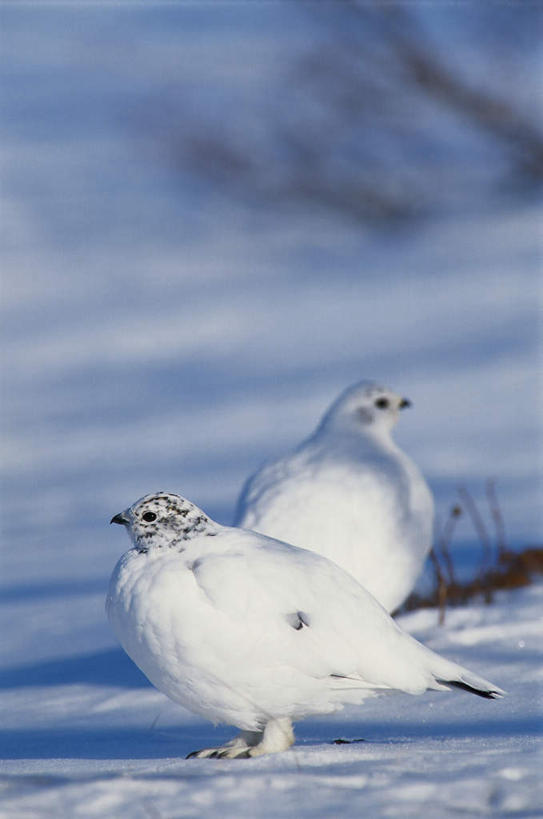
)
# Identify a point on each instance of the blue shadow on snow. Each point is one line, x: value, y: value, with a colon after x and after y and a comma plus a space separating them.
x: 109, y: 667
x: 159, y: 743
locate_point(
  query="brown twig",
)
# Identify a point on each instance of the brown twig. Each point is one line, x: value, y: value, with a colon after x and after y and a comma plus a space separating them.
x: 480, y: 528
x: 497, y: 517
x: 444, y: 541
x: 440, y: 585
x: 501, y: 568
x: 517, y: 571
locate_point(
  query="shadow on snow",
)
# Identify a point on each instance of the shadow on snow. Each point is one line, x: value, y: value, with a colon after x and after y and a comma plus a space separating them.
x: 151, y: 743
x: 109, y: 667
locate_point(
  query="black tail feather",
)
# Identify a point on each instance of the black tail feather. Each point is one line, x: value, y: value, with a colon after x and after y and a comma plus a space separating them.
x: 489, y: 695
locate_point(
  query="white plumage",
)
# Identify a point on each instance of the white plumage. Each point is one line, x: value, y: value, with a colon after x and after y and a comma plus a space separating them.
x: 252, y: 632
x: 349, y: 493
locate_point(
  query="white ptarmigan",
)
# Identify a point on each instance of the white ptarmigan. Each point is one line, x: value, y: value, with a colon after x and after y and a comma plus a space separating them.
x: 252, y: 632
x: 349, y: 493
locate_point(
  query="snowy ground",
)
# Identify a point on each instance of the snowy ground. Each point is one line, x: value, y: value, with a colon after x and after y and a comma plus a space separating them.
x: 86, y: 736
x: 157, y: 335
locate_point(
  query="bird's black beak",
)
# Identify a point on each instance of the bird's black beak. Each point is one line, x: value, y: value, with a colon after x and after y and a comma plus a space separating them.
x: 120, y: 518
x: 404, y: 403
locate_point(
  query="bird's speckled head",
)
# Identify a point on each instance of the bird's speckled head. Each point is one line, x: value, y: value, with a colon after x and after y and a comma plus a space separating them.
x: 164, y: 520
x: 366, y: 407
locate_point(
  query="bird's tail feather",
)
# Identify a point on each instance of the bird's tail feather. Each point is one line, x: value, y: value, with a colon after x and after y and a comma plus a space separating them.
x: 489, y: 691
x: 441, y: 673
x: 451, y: 675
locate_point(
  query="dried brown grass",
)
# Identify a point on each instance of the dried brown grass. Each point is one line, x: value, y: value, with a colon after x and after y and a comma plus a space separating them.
x: 500, y: 568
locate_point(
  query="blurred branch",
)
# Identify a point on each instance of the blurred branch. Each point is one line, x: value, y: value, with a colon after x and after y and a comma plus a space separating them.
x: 365, y: 124
x: 496, y: 115
x: 440, y: 585
x: 480, y: 528
x: 497, y: 517
x: 444, y: 541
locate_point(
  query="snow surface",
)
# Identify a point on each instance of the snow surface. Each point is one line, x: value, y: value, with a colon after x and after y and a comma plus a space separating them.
x: 85, y: 735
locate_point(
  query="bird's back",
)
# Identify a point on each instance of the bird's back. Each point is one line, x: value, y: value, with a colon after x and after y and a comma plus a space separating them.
x: 365, y: 507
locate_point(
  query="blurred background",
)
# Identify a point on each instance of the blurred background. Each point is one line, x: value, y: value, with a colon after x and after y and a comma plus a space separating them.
x: 218, y: 216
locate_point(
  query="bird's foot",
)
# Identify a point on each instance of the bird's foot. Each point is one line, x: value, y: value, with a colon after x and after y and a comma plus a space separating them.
x: 223, y: 752
x: 276, y: 736
x: 237, y: 748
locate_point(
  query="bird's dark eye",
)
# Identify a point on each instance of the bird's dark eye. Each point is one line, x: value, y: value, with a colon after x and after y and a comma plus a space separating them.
x: 382, y: 403
x: 149, y: 516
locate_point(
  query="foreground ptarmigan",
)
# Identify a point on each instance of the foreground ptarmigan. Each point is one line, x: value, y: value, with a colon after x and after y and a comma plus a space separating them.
x: 252, y: 632
x: 349, y: 493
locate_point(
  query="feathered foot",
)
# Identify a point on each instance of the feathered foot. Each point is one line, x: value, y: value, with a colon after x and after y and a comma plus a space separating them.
x: 276, y: 736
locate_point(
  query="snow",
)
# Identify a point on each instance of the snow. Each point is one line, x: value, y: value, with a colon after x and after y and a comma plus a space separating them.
x: 157, y: 335
x: 86, y: 735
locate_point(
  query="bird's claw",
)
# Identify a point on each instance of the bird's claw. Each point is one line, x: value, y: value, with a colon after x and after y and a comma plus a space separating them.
x: 220, y: 753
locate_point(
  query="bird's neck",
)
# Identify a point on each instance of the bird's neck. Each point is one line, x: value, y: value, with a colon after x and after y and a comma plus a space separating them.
x: 373, y: 439
x: 200, y: 527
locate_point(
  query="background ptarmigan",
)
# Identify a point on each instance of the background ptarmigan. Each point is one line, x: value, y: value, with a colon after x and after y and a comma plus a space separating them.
x: 349, y: 493
x: 252, y: 632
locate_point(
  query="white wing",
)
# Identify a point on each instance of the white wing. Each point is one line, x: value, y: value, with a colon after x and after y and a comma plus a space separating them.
x: 309, y: 614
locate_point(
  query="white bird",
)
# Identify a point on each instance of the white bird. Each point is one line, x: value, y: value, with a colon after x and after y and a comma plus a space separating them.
x: 349, y: 493
x: 255, y: 633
